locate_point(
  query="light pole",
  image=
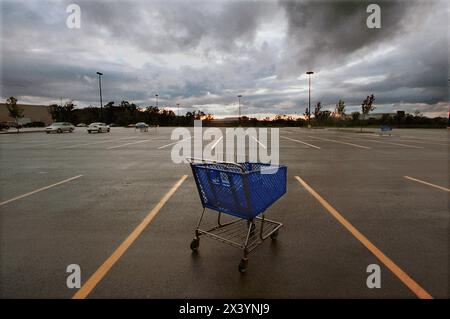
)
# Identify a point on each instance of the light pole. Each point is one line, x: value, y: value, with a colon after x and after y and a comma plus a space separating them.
x: 239, y: 106
x: 178, y: 111
x: 101, y: 99
x: 309, y: 100
x: 156, y: 98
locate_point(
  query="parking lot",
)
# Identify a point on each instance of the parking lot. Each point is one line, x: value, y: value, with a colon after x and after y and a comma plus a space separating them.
x: 117, y: 205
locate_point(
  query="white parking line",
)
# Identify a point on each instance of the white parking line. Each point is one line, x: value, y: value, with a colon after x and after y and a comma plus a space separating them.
x: 131, y: 143
x: 340, y: 142
x: 422, y: 142
x: 426, y: 139
x: 217, y: 142
x: 397, y: 144
x: 164, y: 146
x: 389, y: 143
x: 55, y: 143
x: 39, y: 190
x: 258, y: 142
x: 291, y: 139
x: 95, y: 143
x: 426, y: 183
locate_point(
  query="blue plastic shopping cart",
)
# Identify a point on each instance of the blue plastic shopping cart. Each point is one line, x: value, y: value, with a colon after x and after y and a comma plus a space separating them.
x: 242, y: 190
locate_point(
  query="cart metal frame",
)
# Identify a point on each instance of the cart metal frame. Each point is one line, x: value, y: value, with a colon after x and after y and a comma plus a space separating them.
x: 245, y: 234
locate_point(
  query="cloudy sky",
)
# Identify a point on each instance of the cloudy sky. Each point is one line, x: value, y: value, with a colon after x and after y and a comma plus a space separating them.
x: 203, y: 53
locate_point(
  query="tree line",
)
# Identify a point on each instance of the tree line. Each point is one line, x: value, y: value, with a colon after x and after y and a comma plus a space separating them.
x: 401, y: 119
x: 124, y: 114
x: 127, y: 113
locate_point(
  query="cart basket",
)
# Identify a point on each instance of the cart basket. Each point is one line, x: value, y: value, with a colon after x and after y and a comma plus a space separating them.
x: 244, y: 190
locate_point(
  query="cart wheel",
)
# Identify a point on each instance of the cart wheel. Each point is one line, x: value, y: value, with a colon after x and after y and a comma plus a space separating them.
x: 243, y: 265
x: 195, y: 243
x: 274, y: 235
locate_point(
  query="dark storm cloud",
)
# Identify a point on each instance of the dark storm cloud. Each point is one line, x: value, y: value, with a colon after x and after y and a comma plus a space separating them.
x: 324, y: 33
x: 203, y: 53
x: 167, y: 26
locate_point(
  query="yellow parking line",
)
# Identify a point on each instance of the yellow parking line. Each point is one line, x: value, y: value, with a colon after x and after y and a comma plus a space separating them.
x: 426, y: 183
x: 396, y: 270
x: 39, y: 190
x: 90, y: 284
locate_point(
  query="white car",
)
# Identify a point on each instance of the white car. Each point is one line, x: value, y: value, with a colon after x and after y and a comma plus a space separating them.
x: 59, y: 127
x: 98, y: 127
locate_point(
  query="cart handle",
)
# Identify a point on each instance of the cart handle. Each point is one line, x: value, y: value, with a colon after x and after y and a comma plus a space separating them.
x: 191, y: 160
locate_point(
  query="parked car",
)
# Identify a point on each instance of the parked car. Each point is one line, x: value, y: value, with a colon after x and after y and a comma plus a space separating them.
x: 81, y: 125
x: 60, y: 127
x: 4, y: 126
x: 8, y: 124
x: 98, y: 127
x: 141, y: 125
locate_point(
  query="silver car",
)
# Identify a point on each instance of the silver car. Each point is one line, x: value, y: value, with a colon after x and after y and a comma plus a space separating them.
x: 60, y: 127
x: 98, y: 127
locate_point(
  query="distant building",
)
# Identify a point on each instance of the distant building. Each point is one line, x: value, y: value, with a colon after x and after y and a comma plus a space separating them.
x: 31, y: 113
x: 379, y: 116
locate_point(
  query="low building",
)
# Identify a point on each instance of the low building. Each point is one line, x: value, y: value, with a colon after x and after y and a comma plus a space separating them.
x: 379, y: 116
x: 31, y: 113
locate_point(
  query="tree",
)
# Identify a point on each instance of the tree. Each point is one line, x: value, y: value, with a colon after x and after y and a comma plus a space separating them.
x: 306, y: 114
x: 14, y: 111
x: 317, y: 110
x: 199, y: 115
x: 367, y: 106
x: 62, y: 113
x: 54, y: 110
x: 324, y: 116
x: 67, y: 111
x: 386, y: 119
x: 319, y: 115
x: 340, y: 108
x: 355, y: 116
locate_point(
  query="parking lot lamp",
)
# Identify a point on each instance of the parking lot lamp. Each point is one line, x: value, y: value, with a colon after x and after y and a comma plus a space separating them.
x: 239, y: 106
x: 309, y: 100
x: 101, y: 98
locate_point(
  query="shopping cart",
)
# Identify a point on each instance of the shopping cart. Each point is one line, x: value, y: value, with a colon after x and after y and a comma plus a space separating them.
x: 243, y: 190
